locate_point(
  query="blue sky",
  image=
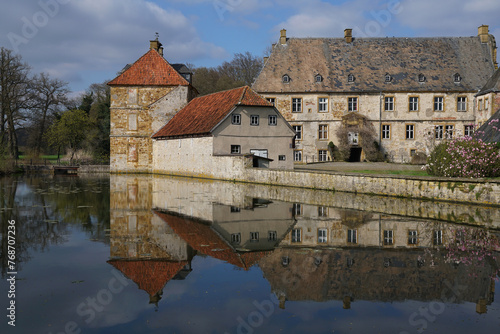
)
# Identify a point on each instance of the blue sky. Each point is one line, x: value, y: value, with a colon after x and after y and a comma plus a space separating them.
x: 88, y: 41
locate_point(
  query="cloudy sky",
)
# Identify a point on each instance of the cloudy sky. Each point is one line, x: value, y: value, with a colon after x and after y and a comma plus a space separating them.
x: 87, y: 41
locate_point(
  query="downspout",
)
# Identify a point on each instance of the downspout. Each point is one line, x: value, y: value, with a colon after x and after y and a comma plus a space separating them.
x: 380, y: 123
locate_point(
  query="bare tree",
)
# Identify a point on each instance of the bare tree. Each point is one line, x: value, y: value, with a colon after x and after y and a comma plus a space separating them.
x: 48, y: 95
x: 14, y: 93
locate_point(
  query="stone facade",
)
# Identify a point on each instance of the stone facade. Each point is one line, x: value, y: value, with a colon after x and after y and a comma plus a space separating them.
x: 414, y: 91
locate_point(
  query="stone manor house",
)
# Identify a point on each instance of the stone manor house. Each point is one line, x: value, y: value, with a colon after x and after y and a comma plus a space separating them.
x: 411, y: 90
x: 411, y: 93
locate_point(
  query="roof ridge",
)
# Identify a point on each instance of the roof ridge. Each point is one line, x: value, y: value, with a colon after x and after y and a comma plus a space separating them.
x: 242, y: 94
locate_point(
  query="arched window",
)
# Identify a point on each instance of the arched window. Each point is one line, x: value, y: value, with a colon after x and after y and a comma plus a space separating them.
x: 388, y: 77
x: 457, y: 78
x: 421, y: 78
x: 350, y: 78
x: 286, y: 78
x: 318, y: 78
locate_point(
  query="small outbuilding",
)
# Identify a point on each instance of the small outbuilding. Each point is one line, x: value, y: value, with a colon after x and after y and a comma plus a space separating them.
x: 236, y: 123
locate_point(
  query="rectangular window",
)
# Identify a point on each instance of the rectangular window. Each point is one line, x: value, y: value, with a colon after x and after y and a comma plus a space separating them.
x: 480, y: 104
x: 322, y: 235
x: 352, y: 236
x: 468, y: 130
x: 322, y: 155
x: 438, y: 103
x: 235, y: 149
x: 272, y: 100
x: 352, y: 104
x: 462, y: 103
x: 296, y: 104
x: 254, y: 236
x: 273, y: 120
x: 386, y: 131
x: 281, y: 157
x: 449, y: 131
x: 388, y: 238
x: 296, y: 235
x: 413, y: 152
x: 389, y: 103
x: 413, y: 103
x: 352, y: 138
x: 323, y: 132
x: 236, y: 119
x: 439, y: 131
x: 322, y: 211
x: 486, y: 104
x: 410, y: 131
x: 254, y: 119
x: 297, y: 155
x: 236, y: 238
x: 438, y: 238
x: 235, y: 209
x: 412, y: 237
x: 298, y: 131
x: 323, y: 104
x: 272, y: 236
x: 297, y: 209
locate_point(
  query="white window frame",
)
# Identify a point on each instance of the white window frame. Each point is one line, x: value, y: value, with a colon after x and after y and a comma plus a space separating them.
x: 236, y: 238
x: 388, y: 237
x: 254, y: 236
x: 273, y: 120
x: 410, y: 131
x: 462, y: 103
x: 235, y: 149
x: 296, y: 235
x: 322, y: 104
x: 322, y: 155
x: 322, y: 235
x: 254, y: 120
x: 352, y: 104
x: 386, y: 131
x: 296, y: 104
x: 297, y: 155
x: 323, y: 132
x: 412, y: 237
x: 413, y: 102
x: 448, y: 131
x: 389, y: 103
x: 439, y: 103
x: 236, y: 119
x: 439, y: 131
x: 298, y: 131
x: 352, y: 236
x: 468, y: 130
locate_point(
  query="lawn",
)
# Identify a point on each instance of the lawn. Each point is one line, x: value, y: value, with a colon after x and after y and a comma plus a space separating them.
x: 393, y: 172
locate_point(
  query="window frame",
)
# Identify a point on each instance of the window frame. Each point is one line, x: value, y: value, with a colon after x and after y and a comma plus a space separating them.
x: 297, y: 153
x: 296, y: 235
x: 320, y: 104
x: 271, y: 123
x: 410, y: 131
x: 235, y: 148
x: 322, y: 155
x: 389, y: 101
x: 322, y: 131
x: 468, y: 130
x: 352, y: 236
x: 386, y: 131
x: 285, y: 79
x: 254, y: 236
x: 296, y: 104
x: 233, y: 117
x: 388, y: 239
x: 322, y: 234
x: 296, y: 132
x: 412, y: 238
x: 236, y: 238
x: 252, y: 120
x: 352, y: 104
x: 449, y: 130
x: 273, y: 102
x: 439, y: 131
x: 411, y: 103
x: 438, y: 102
x: 462, y: 103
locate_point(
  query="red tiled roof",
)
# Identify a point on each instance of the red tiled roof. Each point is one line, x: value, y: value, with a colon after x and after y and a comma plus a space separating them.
x: 150, y: 70
x: 150, y: 275
x: 204, y: 239
x: 203, y: 113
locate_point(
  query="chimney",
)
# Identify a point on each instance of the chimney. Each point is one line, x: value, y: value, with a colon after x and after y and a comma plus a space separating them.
x: 156, y: 45
x: 283, y: 37
x: 348, y: 35
x: 483, y: 33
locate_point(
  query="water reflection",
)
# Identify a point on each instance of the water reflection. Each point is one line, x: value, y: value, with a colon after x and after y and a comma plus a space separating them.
x: 44, y: 208
x: 310, y: 246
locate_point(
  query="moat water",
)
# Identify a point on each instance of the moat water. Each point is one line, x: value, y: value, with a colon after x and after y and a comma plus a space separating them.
x: 144, y: 254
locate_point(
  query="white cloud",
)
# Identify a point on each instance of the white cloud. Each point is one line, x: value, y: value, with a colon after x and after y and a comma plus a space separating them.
x: 88, y: 35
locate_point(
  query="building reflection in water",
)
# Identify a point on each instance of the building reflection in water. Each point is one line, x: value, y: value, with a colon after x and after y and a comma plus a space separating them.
x: 305, y: 251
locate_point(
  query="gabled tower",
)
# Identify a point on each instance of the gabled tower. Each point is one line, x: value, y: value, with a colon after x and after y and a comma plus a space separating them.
x: 144, y: 97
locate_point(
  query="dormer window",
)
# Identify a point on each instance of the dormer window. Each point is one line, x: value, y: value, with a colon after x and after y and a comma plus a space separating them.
x: 457, y: 78
x: 286, y: 78
x: 388, y: 77
x: 350, y: 78
x: 421, y: 78
x: 318, y: 78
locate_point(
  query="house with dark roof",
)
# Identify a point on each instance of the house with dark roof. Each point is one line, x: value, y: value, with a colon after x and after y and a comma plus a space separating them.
x: 214, y: 131
x: 144, y: 96
x: 405, y: 87
x: 488, y: 98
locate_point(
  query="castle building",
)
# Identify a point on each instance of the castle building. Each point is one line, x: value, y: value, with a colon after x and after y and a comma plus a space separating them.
x: 364, y: 94
x: 144, y: 97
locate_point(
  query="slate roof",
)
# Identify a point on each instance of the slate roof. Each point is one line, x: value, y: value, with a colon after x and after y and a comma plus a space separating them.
x: 490, y: 131
x: 493, y: 84
x: 149, y: 275
x: 370, y: 59
x: 200, y: 116
x: 149, y: 70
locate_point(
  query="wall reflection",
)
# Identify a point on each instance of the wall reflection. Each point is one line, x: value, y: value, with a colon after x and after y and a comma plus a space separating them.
x: 309, y: 245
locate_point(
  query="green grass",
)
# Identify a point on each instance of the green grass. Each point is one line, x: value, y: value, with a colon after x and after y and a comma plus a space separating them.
x: 393, y: 172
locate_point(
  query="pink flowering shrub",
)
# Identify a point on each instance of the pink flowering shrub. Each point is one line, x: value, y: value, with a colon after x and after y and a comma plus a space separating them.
x: 464, y: 157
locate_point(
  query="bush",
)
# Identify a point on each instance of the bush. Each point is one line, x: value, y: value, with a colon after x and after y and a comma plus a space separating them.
x: 464, y: 157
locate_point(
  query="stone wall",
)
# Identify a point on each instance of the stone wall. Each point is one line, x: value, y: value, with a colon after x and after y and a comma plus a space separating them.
x: 397, y: 147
